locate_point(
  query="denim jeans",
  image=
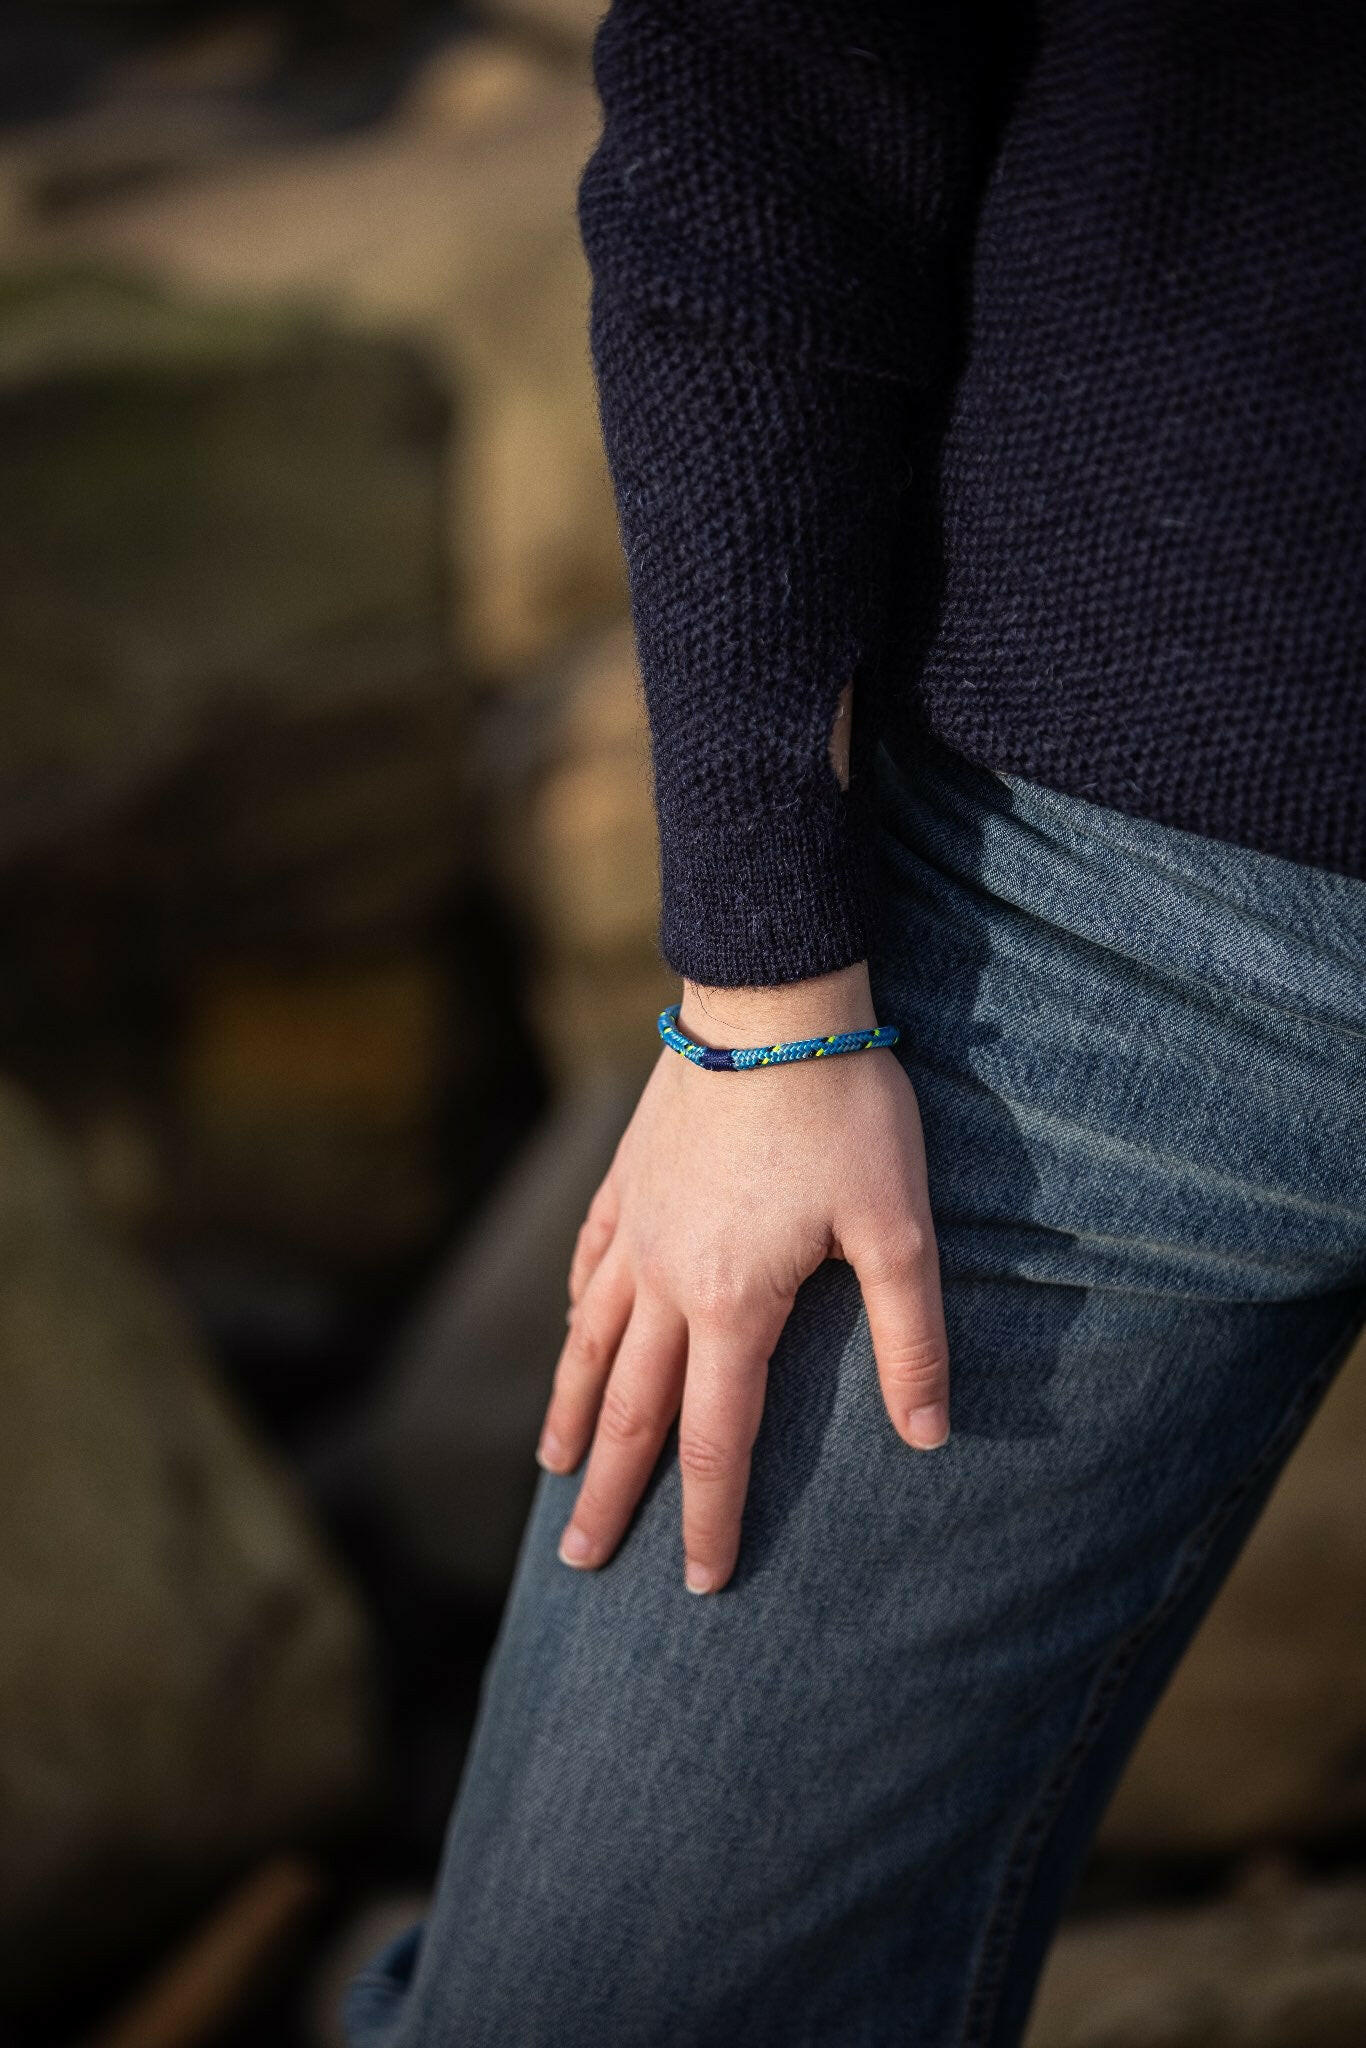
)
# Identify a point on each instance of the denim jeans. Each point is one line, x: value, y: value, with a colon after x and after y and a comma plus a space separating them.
x: 842, y: 1801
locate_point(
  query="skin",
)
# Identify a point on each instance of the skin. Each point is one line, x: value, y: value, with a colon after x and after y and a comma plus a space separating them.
x: 724, y: 1194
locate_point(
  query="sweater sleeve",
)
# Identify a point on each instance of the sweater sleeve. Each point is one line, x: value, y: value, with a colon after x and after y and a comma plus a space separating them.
x: 769, y: 215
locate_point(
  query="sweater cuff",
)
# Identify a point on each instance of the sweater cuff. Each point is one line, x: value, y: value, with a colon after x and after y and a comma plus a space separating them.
x: 775, y: 899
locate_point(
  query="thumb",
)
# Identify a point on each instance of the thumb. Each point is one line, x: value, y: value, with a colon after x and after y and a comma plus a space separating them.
x: 899, y: 1279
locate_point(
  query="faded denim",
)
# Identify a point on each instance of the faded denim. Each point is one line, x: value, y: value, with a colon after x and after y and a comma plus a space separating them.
x: 841, y: 1802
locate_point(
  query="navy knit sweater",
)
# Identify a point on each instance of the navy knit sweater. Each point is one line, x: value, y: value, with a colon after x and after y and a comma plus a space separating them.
x: 1010, y: 363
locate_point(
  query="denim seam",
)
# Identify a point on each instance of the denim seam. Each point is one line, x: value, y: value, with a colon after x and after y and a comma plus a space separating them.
x: 987, y: 1981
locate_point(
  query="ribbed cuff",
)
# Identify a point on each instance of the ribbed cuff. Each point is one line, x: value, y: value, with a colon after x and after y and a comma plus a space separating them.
x: 776, y: 899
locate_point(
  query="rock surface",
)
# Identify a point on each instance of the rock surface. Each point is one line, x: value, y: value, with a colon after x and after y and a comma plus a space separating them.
x: 306, y: 426
x: 1278, y: 1965
x: 565, y: 766
x: 184, y: 1678
x: 231, y: 534
x: 443, y: 1460
x: 1262, y: 1733
x: 453, y: 228
x: 565, y: 25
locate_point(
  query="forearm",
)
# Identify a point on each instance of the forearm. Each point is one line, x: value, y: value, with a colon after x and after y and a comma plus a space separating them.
x: 798, y: 1009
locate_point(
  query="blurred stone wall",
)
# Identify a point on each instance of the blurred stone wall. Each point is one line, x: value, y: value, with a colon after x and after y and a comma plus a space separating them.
x: 185, y: 1679
x: 311, y: 640
x: 326, y: 860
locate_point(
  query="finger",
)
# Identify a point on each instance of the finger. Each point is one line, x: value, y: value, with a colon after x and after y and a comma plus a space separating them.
x: 585, y: 1360
x: 594, y: 1235
x: 723, y: 1402
x: 639, y: 1402
x: 899, y: 1277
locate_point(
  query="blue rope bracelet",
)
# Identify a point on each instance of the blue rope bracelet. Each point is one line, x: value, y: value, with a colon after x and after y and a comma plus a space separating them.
x: 731, y: 1059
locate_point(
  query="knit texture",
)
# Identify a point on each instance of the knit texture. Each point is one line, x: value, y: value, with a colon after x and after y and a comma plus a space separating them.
x: 1012, y: 364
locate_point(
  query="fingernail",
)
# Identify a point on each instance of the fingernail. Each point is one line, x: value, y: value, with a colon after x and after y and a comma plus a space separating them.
x: 574, y: 1546
x: 697, y: 1578
x: 550, y: 1454
x: 928, y: 1427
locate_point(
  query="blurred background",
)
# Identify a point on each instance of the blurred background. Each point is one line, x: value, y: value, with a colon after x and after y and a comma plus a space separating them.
x: 327, y: 982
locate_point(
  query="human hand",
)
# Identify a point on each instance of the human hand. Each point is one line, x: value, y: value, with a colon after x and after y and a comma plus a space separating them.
x: 725, y: 1192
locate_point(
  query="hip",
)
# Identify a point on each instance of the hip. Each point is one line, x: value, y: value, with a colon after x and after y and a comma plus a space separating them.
x: 1139, y: 1053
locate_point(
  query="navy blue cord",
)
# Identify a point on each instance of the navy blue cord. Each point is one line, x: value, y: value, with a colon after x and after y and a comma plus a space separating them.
x: 732, y: 1059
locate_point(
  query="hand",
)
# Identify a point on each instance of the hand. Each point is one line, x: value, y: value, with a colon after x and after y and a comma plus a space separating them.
x: 725, y: 1192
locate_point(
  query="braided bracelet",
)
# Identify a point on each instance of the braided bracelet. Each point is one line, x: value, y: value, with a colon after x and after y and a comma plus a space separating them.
x: 731, y: 1059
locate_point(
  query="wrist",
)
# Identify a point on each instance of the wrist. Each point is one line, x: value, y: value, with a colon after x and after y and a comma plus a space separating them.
x: 841, y: 1001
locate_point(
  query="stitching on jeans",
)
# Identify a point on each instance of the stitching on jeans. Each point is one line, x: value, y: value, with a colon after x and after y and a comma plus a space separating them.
x: 985, y: 1988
